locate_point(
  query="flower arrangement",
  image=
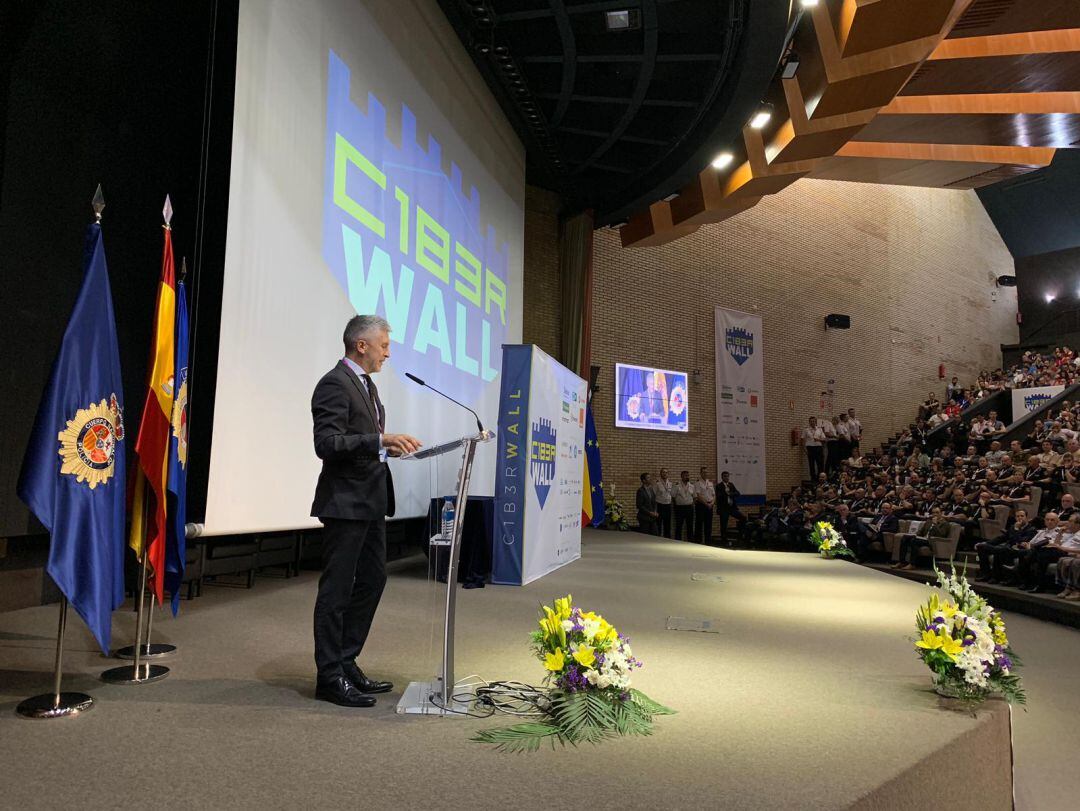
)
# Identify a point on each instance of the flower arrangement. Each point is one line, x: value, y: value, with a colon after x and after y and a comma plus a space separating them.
x: 614, y: 516
x: 962, y: 640
x: 829, y: 542
x: 587, y: 665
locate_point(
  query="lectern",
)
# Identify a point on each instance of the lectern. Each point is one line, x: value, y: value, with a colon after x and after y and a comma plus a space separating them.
x: 437, y: 697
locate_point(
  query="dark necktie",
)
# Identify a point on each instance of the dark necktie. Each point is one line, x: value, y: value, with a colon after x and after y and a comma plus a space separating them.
x: 374, y: 393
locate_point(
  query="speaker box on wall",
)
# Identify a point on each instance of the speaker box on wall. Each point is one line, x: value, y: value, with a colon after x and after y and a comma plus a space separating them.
x: 837, y: 321
x: 1006, y: 281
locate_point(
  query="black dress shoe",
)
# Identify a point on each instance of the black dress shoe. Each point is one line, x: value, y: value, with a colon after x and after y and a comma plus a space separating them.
x: 341, y: 691
x: 362, y: 682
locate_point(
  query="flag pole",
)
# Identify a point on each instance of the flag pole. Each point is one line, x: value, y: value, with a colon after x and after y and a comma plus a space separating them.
x: 145, y: 650
x: 56, y: 704
x: 130, y: 674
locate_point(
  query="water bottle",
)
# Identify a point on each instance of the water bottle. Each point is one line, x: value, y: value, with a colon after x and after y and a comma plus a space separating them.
x: 447, y: 519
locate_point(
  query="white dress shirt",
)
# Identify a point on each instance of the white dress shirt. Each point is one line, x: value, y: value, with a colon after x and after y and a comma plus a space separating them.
x: 705, y: 490
x: 662, y: 491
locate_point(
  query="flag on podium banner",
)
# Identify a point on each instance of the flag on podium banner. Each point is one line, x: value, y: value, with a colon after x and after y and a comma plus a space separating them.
x: 175, y: 541
x: 592, y: 483
x: 155, y: 429
x: 72, y: 476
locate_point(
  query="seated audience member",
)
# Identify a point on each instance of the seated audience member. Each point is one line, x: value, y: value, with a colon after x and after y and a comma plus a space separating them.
x: 856, y: 459
x: 996, y: 454
x: 1006, y: 469
x: 847, y: 525
x: 1047, y: 456
x: 931, y: 405
x: 1052, y: 530
x: 647, y: 514
x: 992, y: 426
x: 1068, y: 577
x: 1038, y: 474
x: 1017, y: 452
x: 993, y: 555
x: 1065, y: 545
x: 936, y: 527
x: 939, y: 417
x: 872, y: 539
x: 682, y: 497
x: 1067, y: 508
x: 1059, y: 436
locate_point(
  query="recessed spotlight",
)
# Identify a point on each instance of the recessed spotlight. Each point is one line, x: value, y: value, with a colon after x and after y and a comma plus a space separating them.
x: 722, y: 160
x: 761, y: 117
x: 809, y: 3
x: 1050, y: 297
x: 626, y: 19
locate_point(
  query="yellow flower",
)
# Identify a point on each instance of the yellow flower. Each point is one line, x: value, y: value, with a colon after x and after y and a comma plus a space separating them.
x: 562, y: 607
x: 584, y: 656
x: 929, y: 641
x: 942, y: 642
x: 555, y: 661
x: 949, y: 646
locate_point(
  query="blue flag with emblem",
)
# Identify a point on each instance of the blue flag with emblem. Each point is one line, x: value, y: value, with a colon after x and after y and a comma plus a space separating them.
x: 72, y: 476
x: 175, y: 541
x: 592, y: 490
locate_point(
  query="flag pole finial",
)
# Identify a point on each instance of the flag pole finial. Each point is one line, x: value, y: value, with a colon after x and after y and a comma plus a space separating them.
x: 183, y: 268
x: 98, y: 203
x: 166, y: 212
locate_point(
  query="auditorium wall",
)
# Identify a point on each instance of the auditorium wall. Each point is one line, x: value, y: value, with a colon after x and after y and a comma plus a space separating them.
x: 914, y: 268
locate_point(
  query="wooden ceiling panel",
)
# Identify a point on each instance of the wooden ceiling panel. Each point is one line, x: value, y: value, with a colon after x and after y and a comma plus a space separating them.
x: 1053, y: 129
x: 927, y: 173
x: 988, y: 17
x: 1030, y: 73
x: 869, y: 25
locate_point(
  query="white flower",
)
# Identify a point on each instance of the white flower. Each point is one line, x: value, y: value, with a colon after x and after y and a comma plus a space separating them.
x: 567, y: 626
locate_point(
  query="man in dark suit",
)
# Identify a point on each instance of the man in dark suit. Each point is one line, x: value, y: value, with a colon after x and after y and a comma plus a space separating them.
x: 726, y: 506
x: 647, y: 514
x: 354, y: 495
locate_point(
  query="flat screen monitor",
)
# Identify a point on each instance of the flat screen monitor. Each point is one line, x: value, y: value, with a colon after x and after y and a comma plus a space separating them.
x: 653, y: 399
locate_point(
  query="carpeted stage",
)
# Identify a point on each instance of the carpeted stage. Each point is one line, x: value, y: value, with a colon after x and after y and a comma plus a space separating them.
x: 808, y: 697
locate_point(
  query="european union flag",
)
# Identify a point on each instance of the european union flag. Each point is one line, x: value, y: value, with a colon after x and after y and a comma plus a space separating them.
x: 592, y: 495
x: 73, y: 474
x: 175, y: 540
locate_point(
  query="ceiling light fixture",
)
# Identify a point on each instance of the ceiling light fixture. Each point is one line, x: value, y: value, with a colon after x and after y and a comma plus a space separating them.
x: 809, y: 3
x: 722, y: 160
x: 790, y: 65
x: 625, y: 19
x: 761, y: 117
x: 670, y: 197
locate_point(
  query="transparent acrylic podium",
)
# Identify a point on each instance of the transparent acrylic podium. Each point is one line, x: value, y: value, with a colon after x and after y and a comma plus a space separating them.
x: 437, y: 697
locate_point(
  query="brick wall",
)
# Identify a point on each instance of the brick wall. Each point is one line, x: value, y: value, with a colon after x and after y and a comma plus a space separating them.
x: 542, y: 296
x: 914, y: 269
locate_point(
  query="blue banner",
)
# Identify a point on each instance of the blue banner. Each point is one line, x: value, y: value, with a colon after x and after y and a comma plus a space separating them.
x: 513, y: 478
x: 175, y: 537
x: 73, y: 476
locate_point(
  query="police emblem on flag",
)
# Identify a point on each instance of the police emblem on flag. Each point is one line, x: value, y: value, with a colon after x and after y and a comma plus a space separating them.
x: 739, y: 344
x: 88, y: 444
x: 180, y: 419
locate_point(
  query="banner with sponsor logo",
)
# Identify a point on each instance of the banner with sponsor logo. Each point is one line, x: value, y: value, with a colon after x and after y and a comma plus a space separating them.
x: 740, y: 403
x: 1024, y: 401
x: 540, y: 466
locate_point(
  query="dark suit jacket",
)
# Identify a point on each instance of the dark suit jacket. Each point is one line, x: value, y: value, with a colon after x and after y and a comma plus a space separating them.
x: 353, y: 483
x: 723, y: 504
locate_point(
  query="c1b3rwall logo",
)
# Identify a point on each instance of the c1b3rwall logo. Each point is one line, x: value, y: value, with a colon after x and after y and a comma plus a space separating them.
x: 405, y: 241
x: 739, y: 344
x: 542, y: 453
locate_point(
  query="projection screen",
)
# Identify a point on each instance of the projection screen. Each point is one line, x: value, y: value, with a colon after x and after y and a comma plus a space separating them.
x: 371, y: 172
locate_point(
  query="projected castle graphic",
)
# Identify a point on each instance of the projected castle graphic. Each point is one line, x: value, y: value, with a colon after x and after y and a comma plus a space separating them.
x: 405, y: 241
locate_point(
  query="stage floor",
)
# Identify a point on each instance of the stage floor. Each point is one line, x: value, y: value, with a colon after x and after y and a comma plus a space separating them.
x: 808, y: 697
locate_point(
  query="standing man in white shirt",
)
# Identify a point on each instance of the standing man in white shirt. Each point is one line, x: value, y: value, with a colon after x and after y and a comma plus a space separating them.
x: 855, y: 429
x: 813, y: 439
x: 704, y: 498
x: 843, y: 440
x: 682, y: 493
x: 662, y: 490
x: 831, y: 443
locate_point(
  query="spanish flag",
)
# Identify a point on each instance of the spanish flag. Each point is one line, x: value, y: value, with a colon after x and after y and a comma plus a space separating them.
x: 148, y: 525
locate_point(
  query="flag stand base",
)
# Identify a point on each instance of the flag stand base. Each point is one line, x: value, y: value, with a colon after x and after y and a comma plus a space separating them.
x: 151, y: 651
x: 130, y: 674
x: 53, y: 705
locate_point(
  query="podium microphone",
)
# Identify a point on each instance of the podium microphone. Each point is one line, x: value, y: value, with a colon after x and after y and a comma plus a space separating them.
x: 417, y: 380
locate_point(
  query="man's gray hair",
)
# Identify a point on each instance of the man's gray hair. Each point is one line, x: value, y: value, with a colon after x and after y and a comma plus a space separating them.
x: 360, y: 326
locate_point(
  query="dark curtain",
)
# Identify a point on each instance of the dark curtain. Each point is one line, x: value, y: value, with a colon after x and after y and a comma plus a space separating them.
x: 575, y: 272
